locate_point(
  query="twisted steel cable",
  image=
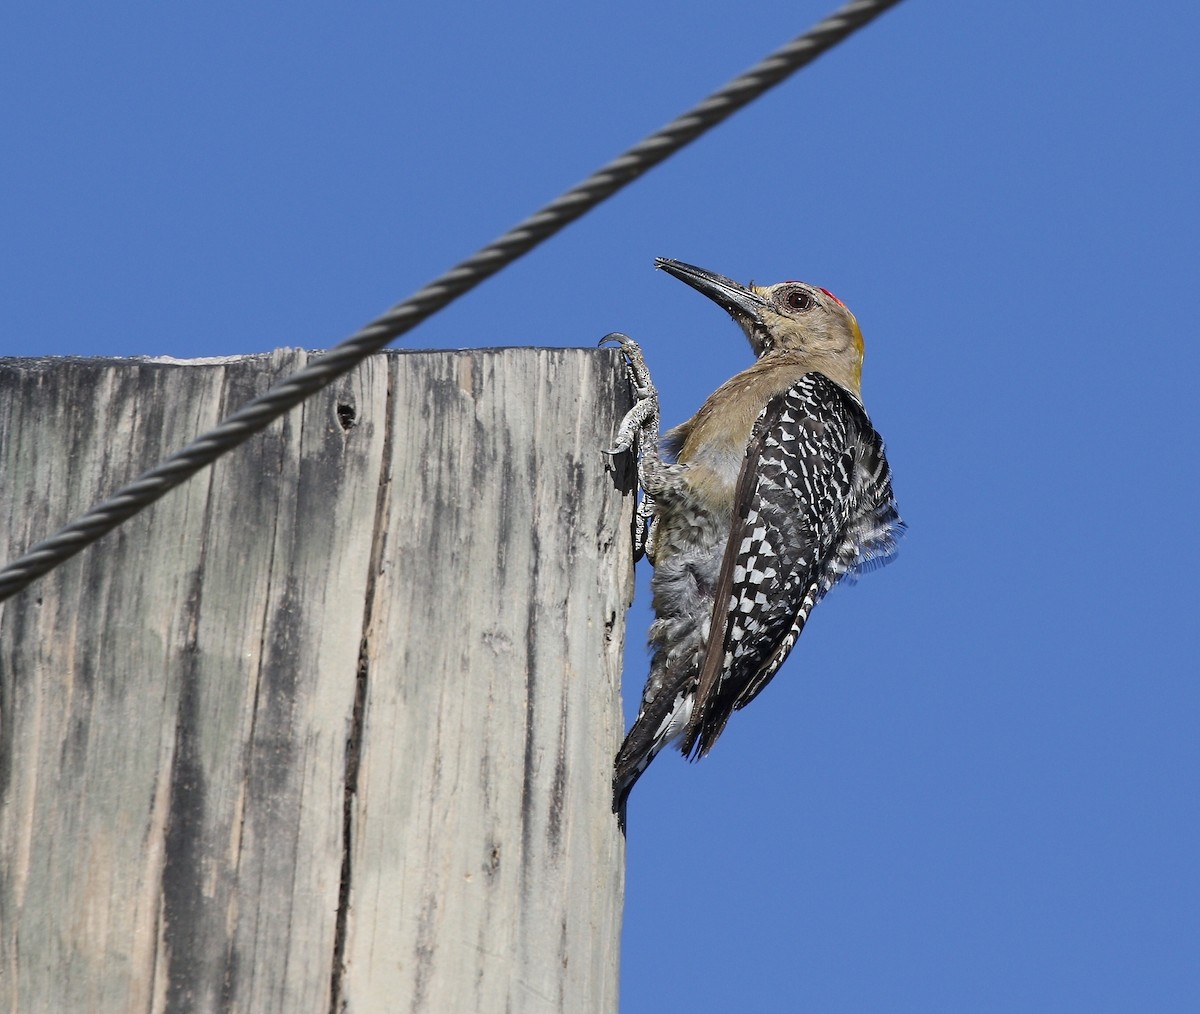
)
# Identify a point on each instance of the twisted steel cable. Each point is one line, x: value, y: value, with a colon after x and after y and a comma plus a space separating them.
x: 523, y: 237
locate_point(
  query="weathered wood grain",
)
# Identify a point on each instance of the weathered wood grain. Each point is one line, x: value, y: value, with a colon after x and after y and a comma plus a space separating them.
x: 330, y: 725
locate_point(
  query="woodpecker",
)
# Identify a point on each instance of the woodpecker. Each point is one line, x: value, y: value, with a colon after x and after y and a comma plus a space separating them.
x: 775, y: 490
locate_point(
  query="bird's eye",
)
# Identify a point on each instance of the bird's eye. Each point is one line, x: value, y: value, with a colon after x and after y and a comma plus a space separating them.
x: 798, y: 299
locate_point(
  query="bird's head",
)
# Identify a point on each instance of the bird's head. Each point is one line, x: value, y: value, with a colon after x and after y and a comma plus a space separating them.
x: 790, y: 317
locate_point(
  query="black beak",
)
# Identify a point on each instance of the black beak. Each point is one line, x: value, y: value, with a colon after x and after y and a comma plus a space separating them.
x: 736, y: 299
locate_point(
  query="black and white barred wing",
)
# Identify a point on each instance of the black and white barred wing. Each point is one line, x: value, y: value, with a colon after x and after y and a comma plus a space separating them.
x: 812, y: 504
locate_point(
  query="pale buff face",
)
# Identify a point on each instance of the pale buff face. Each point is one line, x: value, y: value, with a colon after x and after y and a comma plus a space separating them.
x: 806, y: 324
x: 797, y: 317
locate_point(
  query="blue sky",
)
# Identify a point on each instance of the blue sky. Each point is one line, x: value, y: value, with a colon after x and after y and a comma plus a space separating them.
x: 974, y: 785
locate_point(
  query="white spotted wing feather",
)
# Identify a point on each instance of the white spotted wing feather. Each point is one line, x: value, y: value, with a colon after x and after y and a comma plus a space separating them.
x: 813, y: 504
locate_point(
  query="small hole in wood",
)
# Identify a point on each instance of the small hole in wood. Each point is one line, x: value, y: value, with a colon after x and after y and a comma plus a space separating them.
x: 346, y: 416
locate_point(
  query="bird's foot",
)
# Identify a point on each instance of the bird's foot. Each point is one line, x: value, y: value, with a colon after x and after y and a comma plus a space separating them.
x: 641, y: 422
x: 638, y: 432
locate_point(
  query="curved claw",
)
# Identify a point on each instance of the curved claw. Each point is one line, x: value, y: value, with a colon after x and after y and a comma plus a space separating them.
x: 613, y: 338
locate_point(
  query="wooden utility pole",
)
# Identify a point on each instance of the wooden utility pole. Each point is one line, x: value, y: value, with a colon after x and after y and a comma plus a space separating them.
x: 331, y: 726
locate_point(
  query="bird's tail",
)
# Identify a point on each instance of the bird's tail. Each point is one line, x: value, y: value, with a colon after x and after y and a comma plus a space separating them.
x: 626, y: 771
x: 659, y: 723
